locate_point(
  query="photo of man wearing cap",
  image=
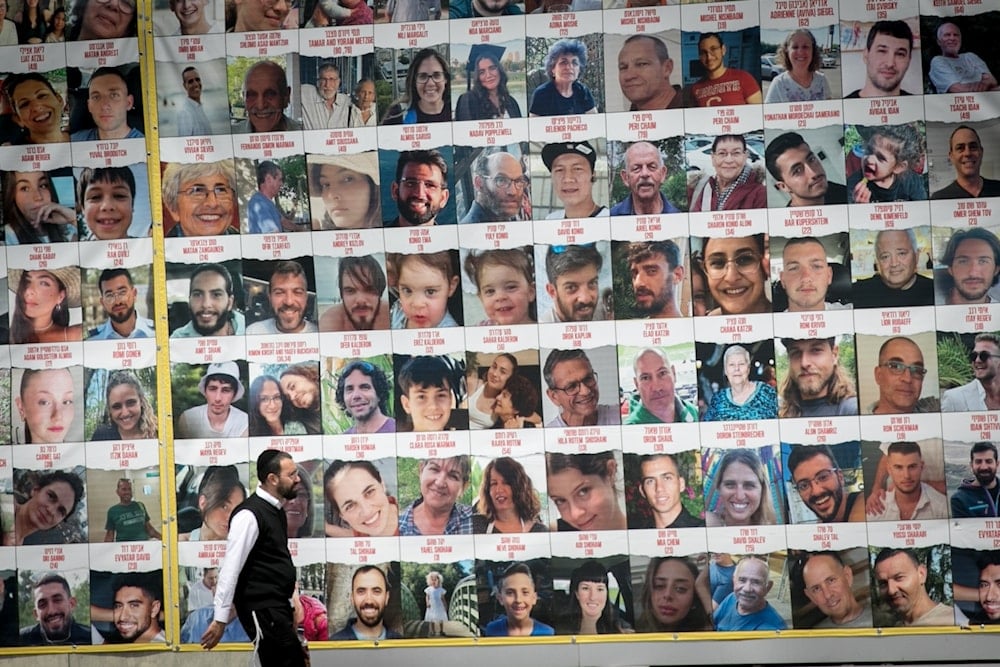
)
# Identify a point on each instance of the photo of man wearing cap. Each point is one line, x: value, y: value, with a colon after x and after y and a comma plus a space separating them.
x: 572, y: 165
x: 217, y: 418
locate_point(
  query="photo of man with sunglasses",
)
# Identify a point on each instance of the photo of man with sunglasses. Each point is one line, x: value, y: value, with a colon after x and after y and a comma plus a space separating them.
x: 983, y: 391
x: 737, y: 271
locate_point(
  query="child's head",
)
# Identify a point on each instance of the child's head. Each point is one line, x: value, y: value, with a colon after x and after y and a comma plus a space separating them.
x: 516, y: 593
x: 506, y: 284
x: 425, y: 393
x: 433, y: 578
x: 890, y: 151
x: 425, y: 284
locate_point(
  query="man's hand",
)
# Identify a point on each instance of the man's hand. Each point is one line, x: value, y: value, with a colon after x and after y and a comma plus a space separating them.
x: 212, y: 635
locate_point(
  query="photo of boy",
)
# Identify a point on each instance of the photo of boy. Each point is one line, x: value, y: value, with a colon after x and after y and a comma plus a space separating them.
x: 517, y: 595
x: 891, y: 161
x: 428, y: 393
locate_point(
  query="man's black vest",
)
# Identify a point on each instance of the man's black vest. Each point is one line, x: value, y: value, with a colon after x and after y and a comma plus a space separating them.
x: 268, y: 577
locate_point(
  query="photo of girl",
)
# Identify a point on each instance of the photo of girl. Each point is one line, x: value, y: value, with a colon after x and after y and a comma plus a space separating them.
x: 504, y: 282
x: 425, y: 285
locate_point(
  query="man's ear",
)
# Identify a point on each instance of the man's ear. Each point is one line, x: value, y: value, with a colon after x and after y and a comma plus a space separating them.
x: 394, y: 191
x: 154, y: 609
x: 767, y: 588
x: 780, y: 186
x: 550, y: 289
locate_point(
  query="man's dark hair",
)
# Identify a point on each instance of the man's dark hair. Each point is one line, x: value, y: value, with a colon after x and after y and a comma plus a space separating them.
x: 962, y: 127
x: 364, y: 569
x: 803, y: 453
x: 662, y: 54
x: 898, y: 29
x: 289, y: 267
x: 983, y: 446
x: 803, y: 240
x: 149, y: 584
x: 222, y: 377
x: 111, y: 274
x: 212, y: 267
x: 567, y: 258
x: 379, y: 382
x: 777, y: 148
x: 641, y: 251
x: 987, y: 558
x: 889, y: 552
x: 557, y: 357
x: 52, y: 578
x: 267, y: 168
x: 189, y: 68
x: 110, y: 71
x: 269, y: 462
x: 904, y: 447
x: 975, y: 233
x: 429, y: 158
x: 709, y: 35
x: 425, y: 371
x: 364, y: 270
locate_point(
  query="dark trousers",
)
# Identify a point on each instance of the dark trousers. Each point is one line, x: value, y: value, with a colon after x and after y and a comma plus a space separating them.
x: 279, y: 643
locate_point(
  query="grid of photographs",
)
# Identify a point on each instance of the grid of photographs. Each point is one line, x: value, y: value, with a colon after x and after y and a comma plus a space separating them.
x: 556, y: 351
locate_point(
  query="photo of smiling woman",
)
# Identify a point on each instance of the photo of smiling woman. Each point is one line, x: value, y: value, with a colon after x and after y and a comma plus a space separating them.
x: 45, y: 508
x: 593, y: 605
x: 37, y: 108
x: 357, y: 502
x: 428, y: 92
x: 126, y: 413
x: 508, y: 501
x: 741, y: 488
x: 437, y: 510
x: 586, y: 491
x: 45, y: 406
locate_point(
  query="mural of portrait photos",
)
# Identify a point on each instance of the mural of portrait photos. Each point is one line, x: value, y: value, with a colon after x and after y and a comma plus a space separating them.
x: 576, y: 317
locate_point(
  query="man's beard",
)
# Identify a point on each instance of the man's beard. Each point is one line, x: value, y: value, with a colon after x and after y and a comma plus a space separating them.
x: 838, y: 500
x: 220, y: 323
x: 416, y: 218
x: 364, y: 326
x: 492, y: 202
x: 54, y: 635
x: 370, y: 623
x: 367, y: 416
x: 656, y: 305
x: 121, y: 319
x: 986, y: 478
x: 299, y: 319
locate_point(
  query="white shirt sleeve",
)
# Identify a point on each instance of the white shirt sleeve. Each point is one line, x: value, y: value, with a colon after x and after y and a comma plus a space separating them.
x: 243, y: 534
